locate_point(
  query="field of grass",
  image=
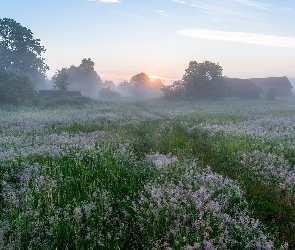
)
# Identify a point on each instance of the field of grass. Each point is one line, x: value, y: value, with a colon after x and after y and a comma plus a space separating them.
x: 148, y: 175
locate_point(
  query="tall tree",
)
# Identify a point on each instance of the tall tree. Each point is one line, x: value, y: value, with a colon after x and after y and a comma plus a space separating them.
x: 85, y: 78
x: 140, y: 79
x: 20, y: 50
x: 140, y: 84
x: 87, y: 65
x: 203, y: 80
x: 200, y: 81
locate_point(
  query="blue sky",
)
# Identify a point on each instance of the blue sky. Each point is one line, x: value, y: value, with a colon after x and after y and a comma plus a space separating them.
x: 159, y: 37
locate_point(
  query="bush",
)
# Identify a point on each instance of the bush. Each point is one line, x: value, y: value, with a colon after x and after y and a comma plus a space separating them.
x: 48, y: 102
x: 16, y: 87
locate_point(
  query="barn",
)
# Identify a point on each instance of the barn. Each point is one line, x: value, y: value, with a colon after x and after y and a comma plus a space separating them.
x: 242, y: 88
x: 280, y: 85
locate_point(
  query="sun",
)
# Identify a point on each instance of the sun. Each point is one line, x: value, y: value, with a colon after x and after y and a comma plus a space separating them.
x: 154, y: 77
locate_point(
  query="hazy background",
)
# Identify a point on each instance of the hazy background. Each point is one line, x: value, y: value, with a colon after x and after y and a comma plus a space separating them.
x: 160, y: 37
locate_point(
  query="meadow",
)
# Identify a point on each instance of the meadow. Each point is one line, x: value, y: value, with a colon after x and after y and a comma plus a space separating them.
x: 148, y: 174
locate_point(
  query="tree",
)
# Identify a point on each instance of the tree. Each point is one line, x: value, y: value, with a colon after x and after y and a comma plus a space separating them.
x: 157, y: 83
x: 203, y: 80
x: 16, y: 87
x: 87, y: 65
x: 108, y: 83
x: 124, y: 88
x: 140, y: 79
x: 61, y: 79
x: 174, y: 91
x: 200, y: 81
x: 271, y: 94
x: 85, y: 78
x: 19, y: 50
x: 140, y: 84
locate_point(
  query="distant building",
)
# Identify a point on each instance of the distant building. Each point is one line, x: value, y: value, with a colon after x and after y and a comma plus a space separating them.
x: 280, y: 85
x: 242, y: 88
x: 108, y: 93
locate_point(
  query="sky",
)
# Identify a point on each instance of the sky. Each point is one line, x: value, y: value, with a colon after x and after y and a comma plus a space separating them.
x: 160, y: 37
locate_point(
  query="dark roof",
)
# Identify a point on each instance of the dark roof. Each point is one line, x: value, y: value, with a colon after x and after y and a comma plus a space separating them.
x: 281, y: 85
x: 244, y: 85
x: 105, y: 90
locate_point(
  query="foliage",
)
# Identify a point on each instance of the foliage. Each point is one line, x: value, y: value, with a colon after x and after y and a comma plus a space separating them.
x: 140, y: 83
x: 49, y: 102
x: 84, y: 77
x: 271, y: 94
x: 174, y: 91
x: 124, y: 88
x: 61, y: 79
x: 107, y: 84
x: 20, y: 50
x: 16, y: 87
x: 200, y: 81
x: 140, y: 79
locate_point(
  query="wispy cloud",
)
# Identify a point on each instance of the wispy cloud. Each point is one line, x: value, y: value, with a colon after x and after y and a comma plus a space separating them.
x: 179, y: 1
x: 203, y: 8
x: 253, y: 4
x: 162, y: 13
x: 250, y: 38
x: 286, y: 9
x: 213, y: 10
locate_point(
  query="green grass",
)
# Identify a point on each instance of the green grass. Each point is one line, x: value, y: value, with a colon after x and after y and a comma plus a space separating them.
x: 86, y: 198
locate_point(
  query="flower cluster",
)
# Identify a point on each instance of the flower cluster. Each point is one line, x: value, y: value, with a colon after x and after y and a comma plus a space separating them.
x: 193, y: 208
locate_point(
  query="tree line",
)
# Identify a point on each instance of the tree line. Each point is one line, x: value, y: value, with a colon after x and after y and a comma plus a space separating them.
x: 23, y: 70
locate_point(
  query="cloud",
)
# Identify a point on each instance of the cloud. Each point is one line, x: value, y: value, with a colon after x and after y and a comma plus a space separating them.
x: 253, y: 4
x: 214, y: 10
x: 250, y: 38
x: 179, y: 1
x: 203, y: 8
x: 162, y: 13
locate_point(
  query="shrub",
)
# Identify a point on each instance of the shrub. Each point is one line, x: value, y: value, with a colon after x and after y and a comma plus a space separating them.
x: 16, y: 87
x: 47, y: 102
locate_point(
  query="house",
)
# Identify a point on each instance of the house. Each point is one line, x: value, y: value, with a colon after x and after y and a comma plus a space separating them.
x: 280, y: 85
x: 108, y: 93
x: 242, y: 88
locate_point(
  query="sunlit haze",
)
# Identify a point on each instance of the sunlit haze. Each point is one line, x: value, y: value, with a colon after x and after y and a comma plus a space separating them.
x: 160, y: 37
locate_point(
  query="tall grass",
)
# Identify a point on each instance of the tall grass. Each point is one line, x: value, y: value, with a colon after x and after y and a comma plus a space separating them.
x: 135, y: 175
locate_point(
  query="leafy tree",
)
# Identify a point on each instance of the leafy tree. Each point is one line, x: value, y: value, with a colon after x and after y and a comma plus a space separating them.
x: 157, y: 83
x: 16, y: 87
x: 87, y: 65
x: 61, y: 79
x: 20, y: 50
x: 203, y: 80
x: 84, y: 77
x: 140, y: 84
x: 124, y: 88
x: 108, y: 83
x: 140, y: 79
x: 200, y: 81
x: 271, y: 94
x: 174, y: 91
